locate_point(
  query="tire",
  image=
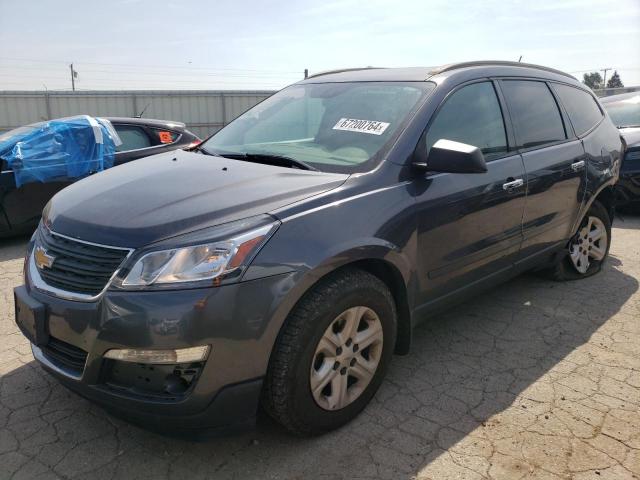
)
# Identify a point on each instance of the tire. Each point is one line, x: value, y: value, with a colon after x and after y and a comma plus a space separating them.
x: 566, y: 269
x: 298, y: 357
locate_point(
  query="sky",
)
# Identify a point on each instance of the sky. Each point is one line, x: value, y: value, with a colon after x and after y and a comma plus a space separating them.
x: 242, y: 45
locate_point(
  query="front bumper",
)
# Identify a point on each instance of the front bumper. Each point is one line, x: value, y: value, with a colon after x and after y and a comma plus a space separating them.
x: 240, y: 323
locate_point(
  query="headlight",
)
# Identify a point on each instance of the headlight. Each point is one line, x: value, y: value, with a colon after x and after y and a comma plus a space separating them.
x: 202, y: 263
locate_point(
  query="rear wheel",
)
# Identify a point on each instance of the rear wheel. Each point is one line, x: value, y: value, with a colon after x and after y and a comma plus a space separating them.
x: 589, y: 246
x: 332, y: 353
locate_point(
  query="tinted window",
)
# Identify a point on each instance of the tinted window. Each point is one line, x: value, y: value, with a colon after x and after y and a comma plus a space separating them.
x: 534, y: 112
x: 624, y: 110
x: 583, y: 110
x: 471, y: 115
x: 133, y: 138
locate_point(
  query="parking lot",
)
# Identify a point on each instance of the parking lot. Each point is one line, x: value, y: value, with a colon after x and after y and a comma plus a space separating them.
x: 535, y: 379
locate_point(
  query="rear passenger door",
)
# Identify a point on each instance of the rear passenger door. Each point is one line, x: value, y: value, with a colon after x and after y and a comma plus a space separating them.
x: 469, y: 225
x: 136, y: 143
x: 140, y: 141
x: 554, y: 161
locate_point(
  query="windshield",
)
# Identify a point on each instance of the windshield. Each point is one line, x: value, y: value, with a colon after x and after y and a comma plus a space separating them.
x: 333, y: 127
x: 625, y: 112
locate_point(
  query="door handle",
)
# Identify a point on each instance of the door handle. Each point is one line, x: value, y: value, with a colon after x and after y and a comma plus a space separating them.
x: 513, y: 185
x: 577, y: 166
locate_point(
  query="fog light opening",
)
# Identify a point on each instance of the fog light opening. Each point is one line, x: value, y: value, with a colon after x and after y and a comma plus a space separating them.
x: 180, y: 355
x: 175, y: 385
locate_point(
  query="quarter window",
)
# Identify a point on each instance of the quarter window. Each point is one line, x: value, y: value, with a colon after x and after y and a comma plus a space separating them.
x: 582, y: 108
x: 534, y: 112
x: 471, y: 115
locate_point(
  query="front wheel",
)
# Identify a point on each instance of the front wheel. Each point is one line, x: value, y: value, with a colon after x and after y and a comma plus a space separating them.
x: 589, y: 246
x: 332, y: 354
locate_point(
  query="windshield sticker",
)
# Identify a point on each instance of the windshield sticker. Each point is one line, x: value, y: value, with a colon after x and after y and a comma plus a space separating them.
x: 361, y: 126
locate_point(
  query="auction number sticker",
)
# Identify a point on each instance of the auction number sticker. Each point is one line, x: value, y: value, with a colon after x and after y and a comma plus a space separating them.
x: 361, y: 126
x: 165, y: 137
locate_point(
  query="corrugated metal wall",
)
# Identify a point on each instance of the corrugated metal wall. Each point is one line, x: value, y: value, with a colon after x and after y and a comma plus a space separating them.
x: 204, y: 111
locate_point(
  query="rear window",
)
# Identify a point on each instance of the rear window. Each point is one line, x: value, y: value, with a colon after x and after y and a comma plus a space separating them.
x: 534, y: 113
x: 582, y: 108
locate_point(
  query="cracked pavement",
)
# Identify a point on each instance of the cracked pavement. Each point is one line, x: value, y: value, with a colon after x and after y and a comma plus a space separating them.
x: 532, y: 380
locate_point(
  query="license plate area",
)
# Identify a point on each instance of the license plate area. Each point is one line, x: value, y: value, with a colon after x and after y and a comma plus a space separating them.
x: 30, y: 316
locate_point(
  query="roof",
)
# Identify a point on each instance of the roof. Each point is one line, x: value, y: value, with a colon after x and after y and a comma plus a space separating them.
x: 414, y: 74
x: 410, y: 74
x: 147, y: 121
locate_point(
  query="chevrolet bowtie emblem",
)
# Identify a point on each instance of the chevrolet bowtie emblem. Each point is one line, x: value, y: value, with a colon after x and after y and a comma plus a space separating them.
x: 43, y: 259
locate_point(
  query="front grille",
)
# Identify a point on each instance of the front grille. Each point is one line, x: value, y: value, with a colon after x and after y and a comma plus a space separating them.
x: 65, y: 355
x: 77, y: 266
x: 632, y: 155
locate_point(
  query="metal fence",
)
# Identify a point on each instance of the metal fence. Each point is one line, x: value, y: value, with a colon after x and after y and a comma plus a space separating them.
x: 204, y: 111
x: 606, y: 92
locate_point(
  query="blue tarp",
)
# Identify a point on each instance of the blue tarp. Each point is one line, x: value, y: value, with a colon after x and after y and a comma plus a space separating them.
x: 59, y: 149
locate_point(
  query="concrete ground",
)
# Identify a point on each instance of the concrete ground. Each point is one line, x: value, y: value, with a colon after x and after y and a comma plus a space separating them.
x: 533, y: 380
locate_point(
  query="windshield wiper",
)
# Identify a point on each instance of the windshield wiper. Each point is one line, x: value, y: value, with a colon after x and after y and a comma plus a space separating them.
x: 201, y: 149
x: 270, y: 159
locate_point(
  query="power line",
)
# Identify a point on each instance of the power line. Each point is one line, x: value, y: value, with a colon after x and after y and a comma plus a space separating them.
x: 588, y: 70
x: 87, y: 78
x: 159, y: 78
x: 182, y: 67
x: 272, y: 76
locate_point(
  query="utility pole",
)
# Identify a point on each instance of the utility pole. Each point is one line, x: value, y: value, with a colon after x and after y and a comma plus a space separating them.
x: 74, y: 75
x: 604, y: 82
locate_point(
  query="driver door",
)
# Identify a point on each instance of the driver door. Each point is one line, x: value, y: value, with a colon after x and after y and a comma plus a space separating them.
x: 469, y: 225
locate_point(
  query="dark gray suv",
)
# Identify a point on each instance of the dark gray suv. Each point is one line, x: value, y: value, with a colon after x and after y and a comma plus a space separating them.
x: 285, y: 261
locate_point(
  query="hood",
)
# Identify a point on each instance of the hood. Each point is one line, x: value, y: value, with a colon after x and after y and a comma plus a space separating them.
x: 176, y: 192
x: 631, y: 135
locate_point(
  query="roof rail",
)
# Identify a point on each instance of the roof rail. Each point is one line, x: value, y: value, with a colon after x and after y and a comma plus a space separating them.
x: 341, y: 70
x: 481, y: 63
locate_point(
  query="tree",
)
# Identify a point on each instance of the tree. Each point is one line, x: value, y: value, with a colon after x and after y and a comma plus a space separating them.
x: 592, y: 80
x: 614, y: 81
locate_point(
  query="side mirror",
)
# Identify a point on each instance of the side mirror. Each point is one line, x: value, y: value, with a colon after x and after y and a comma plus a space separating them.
x: 453, y: 157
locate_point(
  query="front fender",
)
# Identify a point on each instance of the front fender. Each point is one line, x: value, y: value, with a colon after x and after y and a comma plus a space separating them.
x: 307, y: 274
x: 377, y: 224
x: 301, y: 280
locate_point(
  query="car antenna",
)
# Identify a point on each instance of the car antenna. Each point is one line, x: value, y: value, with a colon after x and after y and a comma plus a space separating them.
x: 143, y: 110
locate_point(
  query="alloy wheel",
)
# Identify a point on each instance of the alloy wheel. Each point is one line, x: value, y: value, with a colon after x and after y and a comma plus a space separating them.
x: 346, y: 358
x: 590, y: 243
